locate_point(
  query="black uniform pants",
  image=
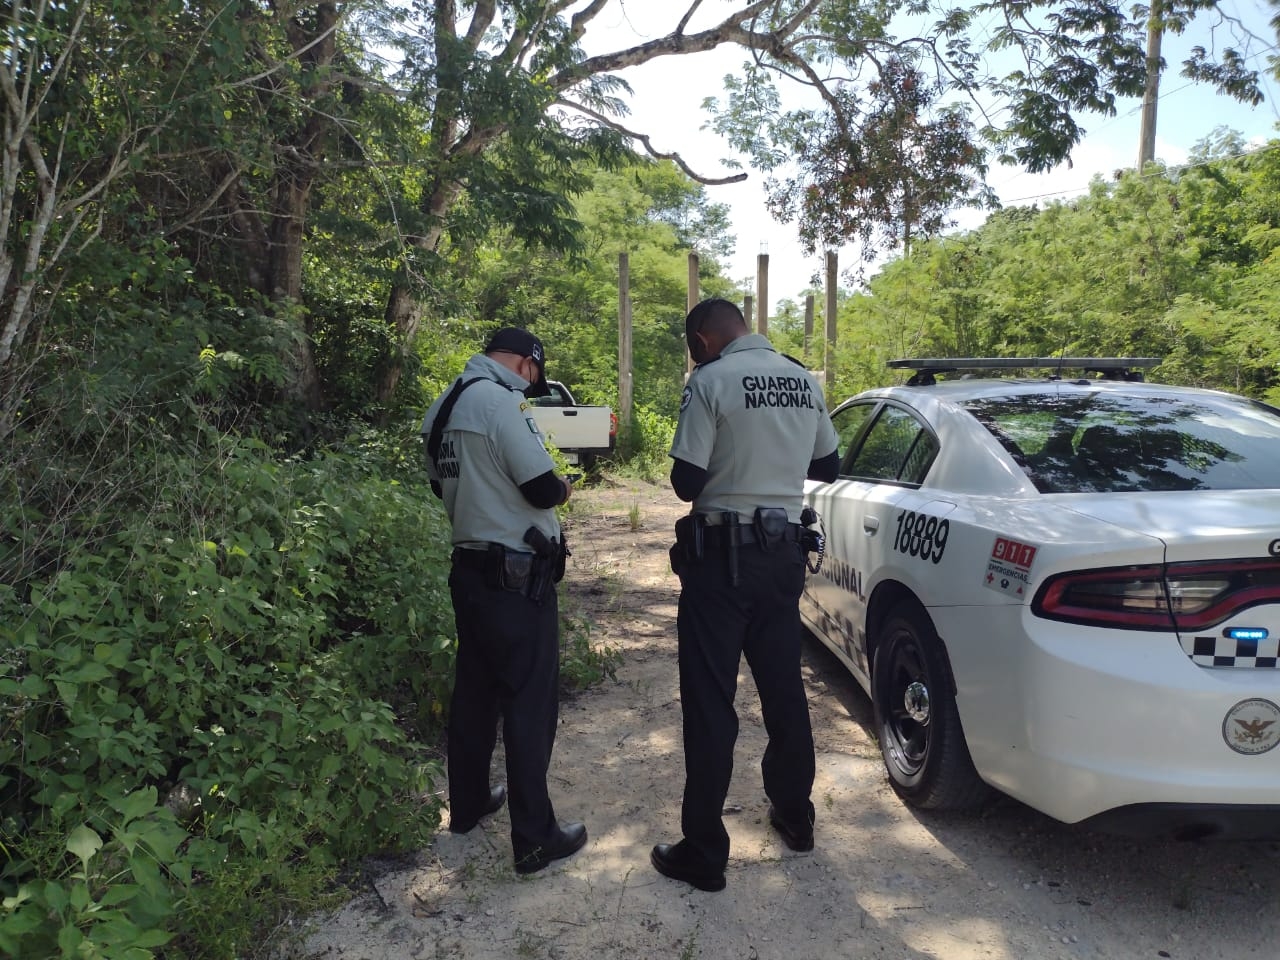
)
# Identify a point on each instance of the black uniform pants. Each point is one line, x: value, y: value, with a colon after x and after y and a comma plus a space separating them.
x: 717, y: 624
x: 508, y: 668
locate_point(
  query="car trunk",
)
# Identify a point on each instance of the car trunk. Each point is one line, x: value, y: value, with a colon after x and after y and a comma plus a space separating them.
x: 1200, y: 530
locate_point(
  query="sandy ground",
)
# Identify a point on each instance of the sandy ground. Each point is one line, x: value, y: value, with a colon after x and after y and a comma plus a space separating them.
x: 883, y: 881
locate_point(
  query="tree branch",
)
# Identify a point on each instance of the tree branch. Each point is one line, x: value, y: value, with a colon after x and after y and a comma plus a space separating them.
x: 480, y: 20
x: 228, y: 181
x: 730, y: 30
x: 578, y: 25
x: 647, y: 143
x: 688, y: 14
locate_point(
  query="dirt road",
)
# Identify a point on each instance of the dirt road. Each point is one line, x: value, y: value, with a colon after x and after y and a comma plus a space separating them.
x: 883, y: 881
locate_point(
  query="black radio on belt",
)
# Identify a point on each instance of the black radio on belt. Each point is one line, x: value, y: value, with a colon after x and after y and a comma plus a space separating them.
x: 812, y: 541
x: 770, y: 526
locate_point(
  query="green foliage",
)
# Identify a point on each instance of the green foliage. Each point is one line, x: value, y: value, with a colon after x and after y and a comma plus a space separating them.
x: 648, y: 438
x: 884, y: 169
x: 1177, y: 267
x: 196, y: 683
x: 102, y: 886
x: 583, y: 662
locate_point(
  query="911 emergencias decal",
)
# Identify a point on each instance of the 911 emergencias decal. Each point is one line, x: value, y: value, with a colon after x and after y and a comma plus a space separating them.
x: 1009, y: 566
x: 920, y: 535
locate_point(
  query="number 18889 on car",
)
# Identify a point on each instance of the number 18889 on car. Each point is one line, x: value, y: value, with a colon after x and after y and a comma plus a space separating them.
x: 920, y: 535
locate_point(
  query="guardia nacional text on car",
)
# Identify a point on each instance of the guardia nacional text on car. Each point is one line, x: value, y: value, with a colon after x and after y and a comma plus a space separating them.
x: 1063, y: 584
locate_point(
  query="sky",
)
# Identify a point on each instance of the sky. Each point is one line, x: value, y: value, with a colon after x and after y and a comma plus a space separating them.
x: 667, y: 105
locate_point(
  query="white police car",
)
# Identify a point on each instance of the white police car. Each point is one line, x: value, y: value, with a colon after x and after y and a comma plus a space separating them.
x: 1065, y: 587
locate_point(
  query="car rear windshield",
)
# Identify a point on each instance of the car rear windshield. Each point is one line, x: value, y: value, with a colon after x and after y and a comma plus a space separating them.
x: 1110, y: 442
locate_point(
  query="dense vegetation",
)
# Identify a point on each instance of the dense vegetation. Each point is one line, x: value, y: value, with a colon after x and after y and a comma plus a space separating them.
x: 237, y: 259
x: 1179, y: 264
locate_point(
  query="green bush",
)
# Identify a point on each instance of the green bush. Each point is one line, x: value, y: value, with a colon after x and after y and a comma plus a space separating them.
x: 649, y: 440
x: 196, y: 684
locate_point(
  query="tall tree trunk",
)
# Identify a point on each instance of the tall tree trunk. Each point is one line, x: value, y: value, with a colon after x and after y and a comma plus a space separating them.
x: 285, y: 246
x: 404, y: 313
x: 403, y: 317
x: 314, y: 41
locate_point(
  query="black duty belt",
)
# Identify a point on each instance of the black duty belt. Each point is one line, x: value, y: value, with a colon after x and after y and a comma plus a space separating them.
x: 718, y: 536
x: 471, y: 559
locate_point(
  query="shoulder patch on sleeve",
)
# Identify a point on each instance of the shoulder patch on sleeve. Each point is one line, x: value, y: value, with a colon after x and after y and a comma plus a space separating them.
x: 686, y: 397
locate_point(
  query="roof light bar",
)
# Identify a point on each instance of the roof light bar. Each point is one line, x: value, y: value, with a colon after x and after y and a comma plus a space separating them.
x: 944, y: 364
x: 1111, y: 368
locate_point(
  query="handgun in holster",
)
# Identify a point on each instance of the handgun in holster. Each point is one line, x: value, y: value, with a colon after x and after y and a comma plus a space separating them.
x: 689, y: 546
x: 548, y: 563
x: 563, y: 553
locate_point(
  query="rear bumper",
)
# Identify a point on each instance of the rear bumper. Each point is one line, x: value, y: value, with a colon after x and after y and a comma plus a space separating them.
x: 1079, y: 722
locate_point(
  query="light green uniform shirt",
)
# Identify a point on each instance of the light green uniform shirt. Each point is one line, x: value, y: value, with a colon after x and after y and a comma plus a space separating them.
x: 753, y: 420
x: 489, y: 447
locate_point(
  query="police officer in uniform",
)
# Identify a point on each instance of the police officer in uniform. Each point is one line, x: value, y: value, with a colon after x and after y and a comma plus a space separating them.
x: 752, y: 426
x: 488, y: 462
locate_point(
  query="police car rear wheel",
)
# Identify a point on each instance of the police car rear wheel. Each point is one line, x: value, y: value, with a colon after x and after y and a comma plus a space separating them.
x: 921, y: 740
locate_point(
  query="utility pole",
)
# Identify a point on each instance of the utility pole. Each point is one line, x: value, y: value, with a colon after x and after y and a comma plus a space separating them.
x: 625, y: 384
x: 1150, y: 96
x: 829, y: 353
x: 808, y: 326
x: 692, y: 297
x: 762, y: 291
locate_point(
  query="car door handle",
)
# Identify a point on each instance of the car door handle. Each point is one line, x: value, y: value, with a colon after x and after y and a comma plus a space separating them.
x: 870, y: 526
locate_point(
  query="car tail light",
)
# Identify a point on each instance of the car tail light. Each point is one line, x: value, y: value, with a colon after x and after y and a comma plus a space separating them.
x: 1175, y: 596
x: 613, y: 424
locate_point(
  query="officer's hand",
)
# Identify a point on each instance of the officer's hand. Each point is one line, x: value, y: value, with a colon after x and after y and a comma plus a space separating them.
x: 568, y: 488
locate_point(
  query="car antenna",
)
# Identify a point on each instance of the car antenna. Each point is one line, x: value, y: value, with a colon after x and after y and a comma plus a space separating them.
x: 1062, y: 355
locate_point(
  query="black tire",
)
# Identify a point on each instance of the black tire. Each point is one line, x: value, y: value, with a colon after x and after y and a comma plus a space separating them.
x: 916, y: 718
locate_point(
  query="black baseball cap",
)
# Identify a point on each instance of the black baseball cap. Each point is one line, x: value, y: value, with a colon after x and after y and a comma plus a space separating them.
x: 524, y: 344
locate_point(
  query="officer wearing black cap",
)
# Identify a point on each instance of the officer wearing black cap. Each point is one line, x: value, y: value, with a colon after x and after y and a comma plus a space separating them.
x: 487, y: 460
x: 752, y: 426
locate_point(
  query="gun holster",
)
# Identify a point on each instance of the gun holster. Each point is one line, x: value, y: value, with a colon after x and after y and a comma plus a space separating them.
x: 548, y: 563
x: 562, y: 557
x: 690, y: 545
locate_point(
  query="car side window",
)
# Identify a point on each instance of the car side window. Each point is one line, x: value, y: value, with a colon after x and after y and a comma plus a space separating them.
x: 920, y: 458
x: 897, y: 448
x: 849, y: 422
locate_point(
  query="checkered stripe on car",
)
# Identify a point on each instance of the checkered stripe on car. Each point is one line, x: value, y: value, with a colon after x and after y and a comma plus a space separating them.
x: 1226, y: 652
